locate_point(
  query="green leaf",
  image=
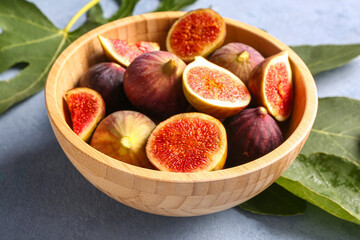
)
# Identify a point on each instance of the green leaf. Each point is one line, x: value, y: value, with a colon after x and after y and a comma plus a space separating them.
x: 95, y: 17
x: 29, y: 37
x: 325, y: 57
x: 127, y: 9
x: 336, y: 129
x: 275, y: 200
x: 327, y: 181
x: 173, y: 5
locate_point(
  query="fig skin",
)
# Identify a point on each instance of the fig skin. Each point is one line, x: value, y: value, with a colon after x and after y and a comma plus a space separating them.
x: 252, y: 133
x: 87, y: 109
x: 107, y: 79
x: 152, y: 83
x: 122, y: 135
x: 238, y: 58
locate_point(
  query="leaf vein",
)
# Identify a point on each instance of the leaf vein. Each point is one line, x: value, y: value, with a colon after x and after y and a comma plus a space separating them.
x: 320, y: 131
x: 30, y: 42
x: 29, y: 22
x: 40, y: 76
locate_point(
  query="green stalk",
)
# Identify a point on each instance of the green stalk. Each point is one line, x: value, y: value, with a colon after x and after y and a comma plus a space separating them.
x: 79, y: 13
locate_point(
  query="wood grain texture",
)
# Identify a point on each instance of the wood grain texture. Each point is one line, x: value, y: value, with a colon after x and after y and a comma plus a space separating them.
x: 175, y: 194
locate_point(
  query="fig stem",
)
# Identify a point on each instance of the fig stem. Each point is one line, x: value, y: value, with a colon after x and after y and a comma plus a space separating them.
x: 169, y: 67
x: 79, y: 13
x: 262, y: 110
x: 126, y: 142
x: 243, y: 56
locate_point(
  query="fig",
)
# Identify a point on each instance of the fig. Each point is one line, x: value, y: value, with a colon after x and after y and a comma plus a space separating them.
x: 152, y: 83
x: 122, y: 135
x: 238, y: 58
x: 188, y: 142
x: 107, y: 79
x: 197, y: 33
x: 87, y: 109
x: 252, y: 133
x: 214, y: 90
x: 270, y: 84
x: 124, y: 52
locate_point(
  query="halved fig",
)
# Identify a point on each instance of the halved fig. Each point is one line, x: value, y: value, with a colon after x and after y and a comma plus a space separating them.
x: 197, y: 33
x: 188, y: 142
x: 124, y: 52
x: 214, y: 90
x: 270, y: 84
x: 87, y: 109
x: 238, y: 58
x: 122, y: 135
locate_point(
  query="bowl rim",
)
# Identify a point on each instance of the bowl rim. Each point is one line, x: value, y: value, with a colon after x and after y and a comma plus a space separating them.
x: 295, y: 139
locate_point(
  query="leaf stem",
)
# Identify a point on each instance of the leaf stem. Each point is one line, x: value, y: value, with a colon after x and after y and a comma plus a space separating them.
x: 79, y: 13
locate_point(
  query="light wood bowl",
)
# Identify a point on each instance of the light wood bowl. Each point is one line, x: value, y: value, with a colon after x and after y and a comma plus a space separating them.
x: 175, y: 194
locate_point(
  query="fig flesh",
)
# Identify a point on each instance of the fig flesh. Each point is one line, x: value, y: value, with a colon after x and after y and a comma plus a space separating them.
x: 238, y: 58
x: 188, y: 142
x: 124, y: 52
x: 87, y: 109
x: 270, y: 84
x: 197, y: 33
x: 152, y: 83
x: 252, y: 133
x: 107, y: 79
x: 122, y: 135
x: 214, y: 90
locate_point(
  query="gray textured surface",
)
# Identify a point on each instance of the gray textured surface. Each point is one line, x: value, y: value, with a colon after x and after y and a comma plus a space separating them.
x: 42, y: 196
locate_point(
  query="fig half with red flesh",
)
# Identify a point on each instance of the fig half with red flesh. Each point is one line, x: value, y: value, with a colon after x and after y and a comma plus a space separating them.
x: 152, y: 83
x: 87, y: 109
x: 197, y: 33
x: 122, y: 135
x: 270, y: 84
x: 214, y: 90
x: 188, y: 142
x: 252, y: 133
x: 238, y: 58
x: 124, y: 52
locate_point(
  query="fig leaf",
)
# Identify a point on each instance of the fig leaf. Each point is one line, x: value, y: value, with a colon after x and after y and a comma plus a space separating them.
x: 28, y: 37
x: 327, y: 181
x: 336, y: 129
x: 325, y: 57
x: 330, y: 179
x: 275, y: 200
x: 173, y: 5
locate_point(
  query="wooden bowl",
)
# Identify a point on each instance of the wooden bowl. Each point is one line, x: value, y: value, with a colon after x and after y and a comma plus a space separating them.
x: 164, y: 193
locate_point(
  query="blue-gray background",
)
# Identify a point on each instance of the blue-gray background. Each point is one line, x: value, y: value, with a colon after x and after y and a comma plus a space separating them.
x: 42, y: 196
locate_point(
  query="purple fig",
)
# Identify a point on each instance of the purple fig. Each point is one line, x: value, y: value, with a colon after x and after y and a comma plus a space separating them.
x: 238, y: 58
x: 152, y: 83
x: 252, y: 133
x: 107, y: 79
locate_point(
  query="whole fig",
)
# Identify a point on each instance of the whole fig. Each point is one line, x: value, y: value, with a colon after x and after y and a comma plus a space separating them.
x: 107, y: 79
x: 238, y: 58
x: 252, y: 133
x: 152, y: 83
